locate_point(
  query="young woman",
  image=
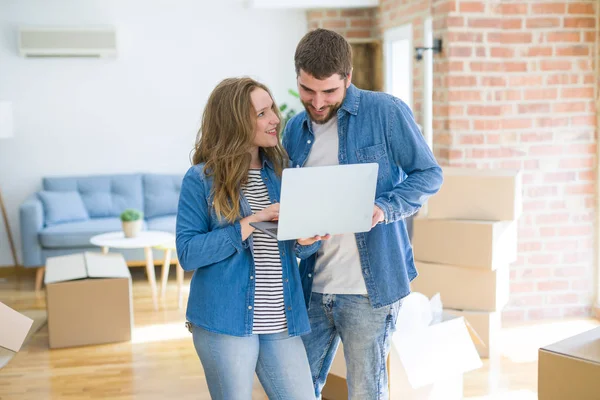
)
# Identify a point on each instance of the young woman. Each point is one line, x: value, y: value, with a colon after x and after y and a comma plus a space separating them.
x: 246, y: 308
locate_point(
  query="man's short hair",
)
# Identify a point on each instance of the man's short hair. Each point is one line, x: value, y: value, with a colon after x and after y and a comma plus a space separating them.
x: 322, y: 53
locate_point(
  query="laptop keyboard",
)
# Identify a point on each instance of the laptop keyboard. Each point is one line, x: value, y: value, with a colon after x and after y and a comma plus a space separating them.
x: 272, y: 230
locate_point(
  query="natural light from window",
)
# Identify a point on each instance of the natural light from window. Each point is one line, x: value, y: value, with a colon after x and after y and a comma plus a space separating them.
x: 160, y: 332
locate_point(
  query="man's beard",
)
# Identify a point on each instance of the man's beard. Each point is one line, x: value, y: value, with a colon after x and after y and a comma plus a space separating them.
x: 318, y: 119
x: 333, y: 109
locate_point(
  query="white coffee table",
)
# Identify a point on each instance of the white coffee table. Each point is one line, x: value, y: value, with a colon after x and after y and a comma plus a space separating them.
x: 145, y: 240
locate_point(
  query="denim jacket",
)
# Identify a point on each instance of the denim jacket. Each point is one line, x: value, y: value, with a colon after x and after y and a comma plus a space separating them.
x: 376, y: 127
x: 222, y: 289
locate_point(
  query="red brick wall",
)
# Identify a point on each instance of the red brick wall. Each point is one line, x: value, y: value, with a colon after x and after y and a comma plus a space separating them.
x: 523, y: 97
x: 353, y: 24
x: 515, y: 88
x: 597, y: 226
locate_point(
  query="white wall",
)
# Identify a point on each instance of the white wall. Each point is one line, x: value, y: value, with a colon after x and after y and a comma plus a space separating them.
x: 140, y: 111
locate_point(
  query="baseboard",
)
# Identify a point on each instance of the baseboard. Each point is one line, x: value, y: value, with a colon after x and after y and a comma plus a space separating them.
x: 335, y: 388
x: 143, y: 263
x: 7, y: 272
x: 12, y: 271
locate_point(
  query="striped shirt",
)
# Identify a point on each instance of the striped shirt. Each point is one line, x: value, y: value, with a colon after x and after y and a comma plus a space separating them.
x: 269, y: 309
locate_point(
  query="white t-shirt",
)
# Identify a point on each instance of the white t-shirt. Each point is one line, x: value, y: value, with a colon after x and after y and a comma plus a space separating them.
x: 338, y: 269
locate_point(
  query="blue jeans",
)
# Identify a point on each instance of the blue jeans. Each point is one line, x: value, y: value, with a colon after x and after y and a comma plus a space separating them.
x: 229, y: 364
x: 365, y: 333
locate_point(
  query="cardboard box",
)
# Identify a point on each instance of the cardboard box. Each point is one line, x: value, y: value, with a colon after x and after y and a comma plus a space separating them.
x: 448, y: 387
x: 15, y: 327
x: 425, y: 363
x: 464, y: 288
x: 487, y: 324
x: 489, y: 195
x: 89, y: 301
x: 570, y: 369
x: 478, y: 244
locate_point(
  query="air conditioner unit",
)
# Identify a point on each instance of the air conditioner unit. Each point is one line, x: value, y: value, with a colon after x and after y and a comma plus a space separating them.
x: 67, y: 42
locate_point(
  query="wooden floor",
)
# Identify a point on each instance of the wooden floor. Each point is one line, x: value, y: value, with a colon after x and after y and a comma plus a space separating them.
x: 160, y: 361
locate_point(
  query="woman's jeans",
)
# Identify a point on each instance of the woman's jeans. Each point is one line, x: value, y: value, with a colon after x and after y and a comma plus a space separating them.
x: 230, y: 362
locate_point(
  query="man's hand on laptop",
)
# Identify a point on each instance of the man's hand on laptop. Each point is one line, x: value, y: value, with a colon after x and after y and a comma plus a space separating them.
x: 378, y: 216
x: 309, y: 241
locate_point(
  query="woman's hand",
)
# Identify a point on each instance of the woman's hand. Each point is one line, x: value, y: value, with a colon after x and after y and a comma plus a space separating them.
x: 309, y: 241
x: 270, y: 213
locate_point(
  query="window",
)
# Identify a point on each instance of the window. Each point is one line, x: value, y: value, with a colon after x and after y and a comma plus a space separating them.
x: 398, y: 56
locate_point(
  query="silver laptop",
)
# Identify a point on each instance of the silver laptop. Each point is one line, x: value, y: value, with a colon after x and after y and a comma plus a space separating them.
x: 324, y: 200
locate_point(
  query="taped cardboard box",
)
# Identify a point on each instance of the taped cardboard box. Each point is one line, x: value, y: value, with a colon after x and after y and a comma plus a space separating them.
x: 476, y: 244
x: 14, y: 328
x: 487, y: 324
x: 428, y: 358
x: 489, y: 195
x: 570, y: 369
x: 464, y: 288
x: 89, y: 301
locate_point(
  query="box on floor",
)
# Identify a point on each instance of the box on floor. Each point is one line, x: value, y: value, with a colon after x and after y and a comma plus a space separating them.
x: 464, y: 288
x: 487, y: 324
x: 425, y: 363
x: 570, y: 369
x: 477, y: 194
x: 477, y: 244
x: 89, y: 301
x: 15, y: 327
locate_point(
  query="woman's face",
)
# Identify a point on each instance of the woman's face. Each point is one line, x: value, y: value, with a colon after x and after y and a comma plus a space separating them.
x: 265, y: 131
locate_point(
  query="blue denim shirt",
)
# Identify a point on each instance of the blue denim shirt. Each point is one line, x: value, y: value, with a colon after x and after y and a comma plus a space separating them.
x: 222, y: 289
x: 376, y: 127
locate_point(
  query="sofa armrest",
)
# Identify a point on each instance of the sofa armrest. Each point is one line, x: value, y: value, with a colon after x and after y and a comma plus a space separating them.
x: 31, y: 220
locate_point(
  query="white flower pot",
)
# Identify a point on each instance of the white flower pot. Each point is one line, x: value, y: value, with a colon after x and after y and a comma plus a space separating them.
x: 132, y: 228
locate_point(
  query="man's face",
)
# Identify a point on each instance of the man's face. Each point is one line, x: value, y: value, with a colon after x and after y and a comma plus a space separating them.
x: 322, y: 98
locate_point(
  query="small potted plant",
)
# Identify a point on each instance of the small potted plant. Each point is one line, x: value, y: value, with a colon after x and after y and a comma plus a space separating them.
x: 132, y: 220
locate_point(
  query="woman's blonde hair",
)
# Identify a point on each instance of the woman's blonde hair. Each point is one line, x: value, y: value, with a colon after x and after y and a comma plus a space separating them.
x: 224, y: 141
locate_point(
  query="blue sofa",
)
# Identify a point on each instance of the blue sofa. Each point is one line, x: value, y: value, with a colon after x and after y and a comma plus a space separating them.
x: 63, y: 217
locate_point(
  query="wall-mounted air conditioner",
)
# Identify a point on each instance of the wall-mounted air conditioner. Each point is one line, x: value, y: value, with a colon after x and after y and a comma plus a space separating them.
x: 67, y: 42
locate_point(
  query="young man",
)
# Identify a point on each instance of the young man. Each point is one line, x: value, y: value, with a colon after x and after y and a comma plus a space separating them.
x: 353, y: 283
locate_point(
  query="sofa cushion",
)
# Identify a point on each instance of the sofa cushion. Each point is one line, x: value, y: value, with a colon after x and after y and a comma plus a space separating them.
x: 161, y: 194
x: 78, y: 234
x: 165, y: 224
x: 103, y: 195
x: 60, y: 207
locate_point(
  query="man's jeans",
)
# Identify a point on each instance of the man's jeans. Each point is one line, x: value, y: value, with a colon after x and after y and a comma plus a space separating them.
x: 365, y: 333
x: 230, y: 362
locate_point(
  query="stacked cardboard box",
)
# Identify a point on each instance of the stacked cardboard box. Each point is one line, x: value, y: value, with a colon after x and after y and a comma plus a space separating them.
x: 464, y: 247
